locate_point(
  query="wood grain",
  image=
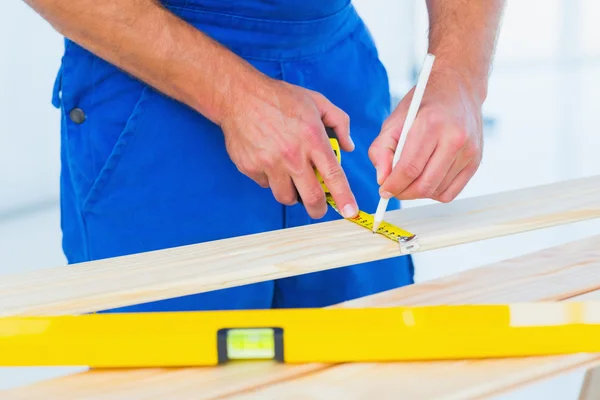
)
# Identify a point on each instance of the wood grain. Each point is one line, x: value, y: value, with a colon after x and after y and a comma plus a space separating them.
x: 453, y: 380
x: 237, y: 261
x: 564, y: 272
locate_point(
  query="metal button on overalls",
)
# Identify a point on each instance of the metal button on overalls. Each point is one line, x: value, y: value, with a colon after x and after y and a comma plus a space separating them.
x: 148, y: 173
x: 77, y: 115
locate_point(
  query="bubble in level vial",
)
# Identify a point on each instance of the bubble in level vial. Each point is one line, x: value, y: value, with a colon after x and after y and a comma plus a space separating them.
x: 251, y: 343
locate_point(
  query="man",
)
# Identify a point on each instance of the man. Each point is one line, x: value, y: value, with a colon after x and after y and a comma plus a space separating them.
x: 185, y: 121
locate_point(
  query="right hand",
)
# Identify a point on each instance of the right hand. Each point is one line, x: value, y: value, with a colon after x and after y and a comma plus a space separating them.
x: 275, y: 134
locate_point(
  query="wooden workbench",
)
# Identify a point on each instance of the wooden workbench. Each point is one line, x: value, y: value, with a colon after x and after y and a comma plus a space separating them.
x: 567, y: 272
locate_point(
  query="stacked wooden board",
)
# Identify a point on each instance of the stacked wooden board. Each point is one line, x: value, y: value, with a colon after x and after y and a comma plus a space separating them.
x: 567, y: 272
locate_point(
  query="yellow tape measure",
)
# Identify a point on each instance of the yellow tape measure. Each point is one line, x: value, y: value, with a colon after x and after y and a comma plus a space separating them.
x: 407, y: 240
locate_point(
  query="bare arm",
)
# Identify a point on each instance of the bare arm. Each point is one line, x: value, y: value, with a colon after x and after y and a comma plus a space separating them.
x: 462, y: 36
x: 274, y: 131
x: 152, y: 44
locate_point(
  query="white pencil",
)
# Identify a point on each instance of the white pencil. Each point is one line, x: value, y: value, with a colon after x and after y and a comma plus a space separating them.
x: 410, y: 118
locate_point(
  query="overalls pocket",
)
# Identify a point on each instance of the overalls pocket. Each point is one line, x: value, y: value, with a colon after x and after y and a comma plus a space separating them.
x: 129, y: 120
x: 101, y: 106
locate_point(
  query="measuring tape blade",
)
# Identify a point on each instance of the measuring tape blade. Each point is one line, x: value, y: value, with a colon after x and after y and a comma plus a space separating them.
x: 407, y: 240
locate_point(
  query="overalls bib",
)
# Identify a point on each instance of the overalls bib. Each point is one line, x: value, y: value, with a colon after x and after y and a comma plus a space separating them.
x: 141, y: 171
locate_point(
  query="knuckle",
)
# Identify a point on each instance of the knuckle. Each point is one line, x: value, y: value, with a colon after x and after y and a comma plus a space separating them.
x: 389, y: 134
x: 345, y: 117
x: 314, y: 198
x: 247, y: 169
x: 333, y: 173
x: 313, y: 94
x: 315, y: 131
x: 426, y: 190
x: 438, y: 191
x: 291, y: 155
x: 459, y: 139
x: 266, y: 161
x: 312, y: 132
x: 472, y: 169
x: 433, y: 119
x: 373, y: 150
x: 385, y: 126
x: 471, y: 151
x: 411, y: 170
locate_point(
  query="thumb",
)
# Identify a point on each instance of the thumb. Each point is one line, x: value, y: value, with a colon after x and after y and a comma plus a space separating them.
x: 381, y: 153
x: 334, y: 117
x: 384, y: 146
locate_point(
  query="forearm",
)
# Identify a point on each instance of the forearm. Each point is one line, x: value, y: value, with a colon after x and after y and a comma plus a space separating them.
x: 462, y: 36
x: 152, y: 44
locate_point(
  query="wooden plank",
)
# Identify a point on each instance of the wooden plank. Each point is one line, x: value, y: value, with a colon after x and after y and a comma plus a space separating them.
x: 553, y: 274
x: 590, y: 389
x: 242, y: 260
x: 454, y: 380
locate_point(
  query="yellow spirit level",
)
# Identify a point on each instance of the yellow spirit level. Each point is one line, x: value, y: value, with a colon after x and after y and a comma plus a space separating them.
x: 329, y: 335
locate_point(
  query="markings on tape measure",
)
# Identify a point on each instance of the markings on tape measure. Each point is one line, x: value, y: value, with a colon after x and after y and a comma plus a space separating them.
x: 407, y: 240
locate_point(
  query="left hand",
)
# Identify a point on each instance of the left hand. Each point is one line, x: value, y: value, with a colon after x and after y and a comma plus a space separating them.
x: 444, y: 147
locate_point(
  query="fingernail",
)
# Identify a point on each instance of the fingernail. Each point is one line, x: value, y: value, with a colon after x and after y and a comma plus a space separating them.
x: 352, y: 145
x: 379, y: 176
x: 349, y: 211
x: 386, y: 195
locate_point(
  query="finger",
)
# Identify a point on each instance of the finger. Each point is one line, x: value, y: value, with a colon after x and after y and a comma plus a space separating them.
x: 457, y: 166
x: 418, y: 148
x: 262, y: 181
x: 433, y: 174
x: 310, y: 191
x: 282, y: 187
x: 470, y: 153
x: 381, y: 153
x: 336, y: 181
x: 335, y: 118
x: 383, y: 147
x: 259, y: 177
x: 458, y: 184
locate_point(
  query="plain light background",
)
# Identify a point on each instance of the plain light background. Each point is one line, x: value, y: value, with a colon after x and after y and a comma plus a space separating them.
x: 542, y: 126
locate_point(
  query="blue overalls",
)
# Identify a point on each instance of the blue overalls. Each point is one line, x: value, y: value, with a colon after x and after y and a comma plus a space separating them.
x: 141, y: 171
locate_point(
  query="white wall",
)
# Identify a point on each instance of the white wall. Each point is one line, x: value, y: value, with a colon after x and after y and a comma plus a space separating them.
x: 392, y: 25
x: 29, y: 134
